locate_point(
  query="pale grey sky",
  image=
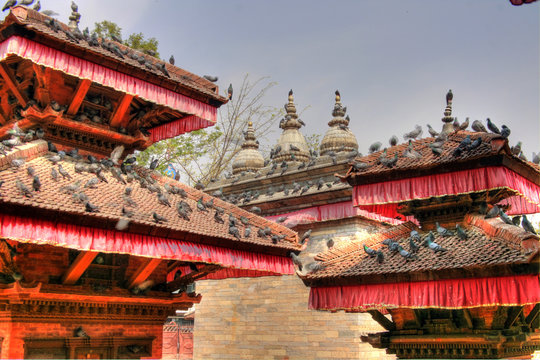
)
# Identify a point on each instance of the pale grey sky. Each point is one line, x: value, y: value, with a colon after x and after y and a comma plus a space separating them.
x: 392, y: 60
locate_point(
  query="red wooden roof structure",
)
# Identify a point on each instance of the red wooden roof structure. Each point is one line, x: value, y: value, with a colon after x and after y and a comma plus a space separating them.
x: 489, y: 274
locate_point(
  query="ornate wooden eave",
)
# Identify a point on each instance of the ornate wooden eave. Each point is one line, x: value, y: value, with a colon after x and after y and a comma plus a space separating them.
x: 191, y: 85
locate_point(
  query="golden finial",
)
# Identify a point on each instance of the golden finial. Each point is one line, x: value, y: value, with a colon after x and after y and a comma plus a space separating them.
x: 250, y: 123
x: 338, y: 96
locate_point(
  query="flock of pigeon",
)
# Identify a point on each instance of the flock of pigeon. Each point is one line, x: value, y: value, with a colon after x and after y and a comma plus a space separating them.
x: 126, y: 173
x: 415, y: 239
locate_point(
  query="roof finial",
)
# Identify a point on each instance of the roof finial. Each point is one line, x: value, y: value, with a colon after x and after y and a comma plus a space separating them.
x: 448, y: 110
x: 75, y: 17
x: 248, y: 158
x: 338, y: 137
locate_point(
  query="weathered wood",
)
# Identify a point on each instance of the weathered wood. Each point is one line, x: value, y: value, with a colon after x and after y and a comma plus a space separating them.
x: 382, y: 320
x: 43, y: 77
x: 189, y: 278
x: 78, y: 96
x: 513, y: 314
x: 467, y: 317
x: 11, y: 83
x: 120, y: 112
x: 78, y: 267
x: 143, y: 272
x: 532, y: 315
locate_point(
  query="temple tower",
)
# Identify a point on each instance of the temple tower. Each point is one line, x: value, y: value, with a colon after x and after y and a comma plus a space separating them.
x: 249, y: 158
x: 339, y: 137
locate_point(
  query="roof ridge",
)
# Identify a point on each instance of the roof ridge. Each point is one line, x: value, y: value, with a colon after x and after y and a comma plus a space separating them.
x: 496, y: 228
x: 28, y: 151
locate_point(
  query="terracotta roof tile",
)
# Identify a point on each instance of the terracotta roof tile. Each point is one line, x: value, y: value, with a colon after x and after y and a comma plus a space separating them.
x: 491, y: 242
x: 428, y: 158
x: 109, y: 197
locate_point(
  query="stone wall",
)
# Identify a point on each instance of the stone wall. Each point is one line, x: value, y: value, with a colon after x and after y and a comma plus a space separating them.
x: 268, y: 318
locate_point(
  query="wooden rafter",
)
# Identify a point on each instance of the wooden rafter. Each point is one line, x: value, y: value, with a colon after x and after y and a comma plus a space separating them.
x: 120, y: 112
x: 43, y: 76
x: 143, y: 272
x: 78, y: 96
x: 382, y: 320
x: 468, y: 318
x: 8, y: 77
x: 191, y: 277
x: 78, y: 267
x: 532, y: 315
x: 513, y: 314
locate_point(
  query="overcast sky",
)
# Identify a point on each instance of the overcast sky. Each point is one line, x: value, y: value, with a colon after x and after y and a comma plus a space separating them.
x: 392, y: 60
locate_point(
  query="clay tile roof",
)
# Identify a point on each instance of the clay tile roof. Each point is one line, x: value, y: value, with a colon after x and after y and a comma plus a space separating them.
x: 492, y: 144
x: 34, y: 20
x: 491, y: 242
x: 109, y: 197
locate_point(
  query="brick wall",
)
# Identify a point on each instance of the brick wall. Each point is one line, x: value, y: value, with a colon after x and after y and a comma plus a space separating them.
x: 268, y: 318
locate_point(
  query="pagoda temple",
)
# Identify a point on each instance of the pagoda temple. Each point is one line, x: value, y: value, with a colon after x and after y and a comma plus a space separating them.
x: 297, y: 188
x: 460, y: 279
x: 96, y: 252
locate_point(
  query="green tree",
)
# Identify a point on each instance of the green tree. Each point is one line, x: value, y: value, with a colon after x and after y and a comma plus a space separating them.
x: 137, y: 41
x: 149, y: 46
x: 207, y: 154
x: 107, y: 29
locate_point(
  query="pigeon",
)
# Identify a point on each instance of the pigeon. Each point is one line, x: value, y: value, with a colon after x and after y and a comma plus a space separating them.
x: 79, y: 332
x: 491, y: 126
x: 63, y: 172
x: 369, y: 251
x: 247, y: 231
x: 526, y: 224
x: 412, y: 245
x: 464, y: 125
x: 478, y: 126
x: 305, y: 236
x: 432, y: 132
x: 210, y: 78
x: 493, y: 212
x: 17, y: 163
x: 154, y: 164
x: 162, y: 199
x: 393, y: 140
x: 505, y: 217
x: 127, y: 213
x: 536, y: 158
x: 516, y: 220
x: 281, y: 219
x: 201, y: 206
x: 230, y: 92
x: 54, y: 174
x: 233, y: 230
x: 380, y: 257
x: 36, y: 184
x: 461, y: 232
x: 476, y: 143
x: 158, y: 218
x: 414, y: 134
x: 296, y: 260
x: 171, y: 60
x: 88, y: 207
x: 405, y: 253
x: 23, y: 188
x: 429, y: 242
x: 443, y: 231
x: 375, y: 147
x: 505, y: 131
x: 359, y: 166
x: 183, y: 212
x: 255, y: 210
x: 37, y: 6
x: 9, y: 4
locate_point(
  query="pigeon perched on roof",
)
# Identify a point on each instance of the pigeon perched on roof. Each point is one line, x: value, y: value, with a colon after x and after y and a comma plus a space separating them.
x: 375, y: 147
x: 414, y: 134
x: 491, y: 126
x: 505, y: 131
x: 211, y: 78
x: 393, y: 140
x: 9, y: 4
x: 461, y: 232
x: 230, y: 92
x: 526, y: 224
x: 171, y: 60
x: 478, y: 126
x: 370, y: 251
x: 429, y: 242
